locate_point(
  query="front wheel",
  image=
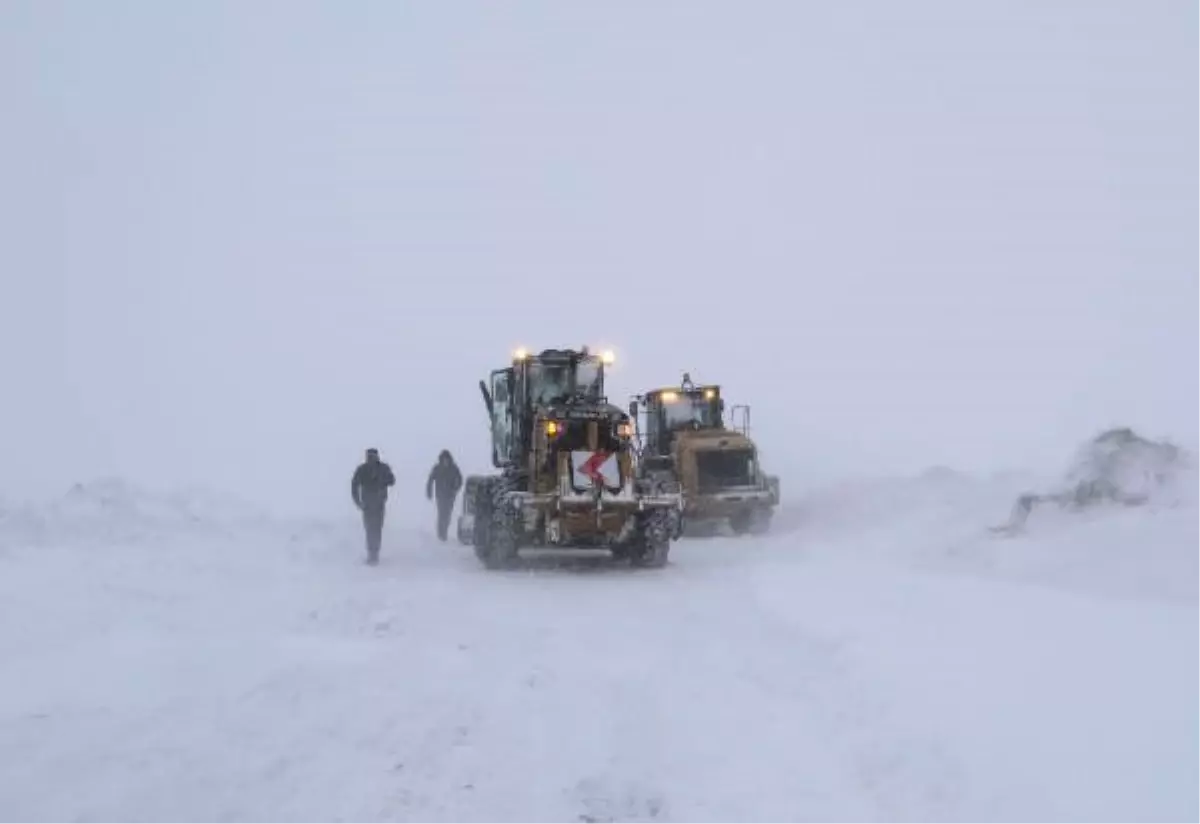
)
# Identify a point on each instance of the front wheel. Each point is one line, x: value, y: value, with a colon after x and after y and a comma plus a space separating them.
x: 495, y: 537
x: 677, y: 524
x: 752, y: 521
x: 653, y: 543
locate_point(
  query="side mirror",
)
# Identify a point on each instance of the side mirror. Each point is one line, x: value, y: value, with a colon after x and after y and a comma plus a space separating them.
x: 633, y: 409
x: 487, y: 397
x: 721, y: 405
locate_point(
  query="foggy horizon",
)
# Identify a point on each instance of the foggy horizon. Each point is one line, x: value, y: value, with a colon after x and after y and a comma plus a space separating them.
x: 242, y: 243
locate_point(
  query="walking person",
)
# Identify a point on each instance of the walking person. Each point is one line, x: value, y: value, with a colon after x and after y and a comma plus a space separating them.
x: 369, y: 489
x: 444, y: 481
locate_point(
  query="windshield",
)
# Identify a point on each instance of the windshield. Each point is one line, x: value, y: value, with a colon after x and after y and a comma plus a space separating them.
x: 551, y: 381
x: 589, y: 378
x: 548, y: 382
x: 686, y: 409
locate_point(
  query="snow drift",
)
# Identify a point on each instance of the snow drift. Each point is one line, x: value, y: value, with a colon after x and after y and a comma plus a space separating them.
x: 110, y: 511
x: 1119, y: 467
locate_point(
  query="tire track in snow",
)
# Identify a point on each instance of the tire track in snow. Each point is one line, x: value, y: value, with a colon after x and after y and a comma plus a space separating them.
x: 671, y: 695
x: 904, y: 776
x: 730, y: 711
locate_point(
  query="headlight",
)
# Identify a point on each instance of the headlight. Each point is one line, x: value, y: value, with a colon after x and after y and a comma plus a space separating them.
x: 625, y: 430
x: 607, y: 357
x: 670, y: 396
x: 552, y: 429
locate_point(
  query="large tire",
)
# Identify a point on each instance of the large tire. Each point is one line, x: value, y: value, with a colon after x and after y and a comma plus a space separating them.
x: 465, y: 527
x: 678, y: 525
x: 481, y: 528
x: 752, y: 521
x: 495, y: 525
x: 652, y: 545
x: 662, y: 484
x: 739, y: 522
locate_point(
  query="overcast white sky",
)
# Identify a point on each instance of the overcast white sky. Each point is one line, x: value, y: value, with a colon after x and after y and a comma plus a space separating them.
x: 240, y: 242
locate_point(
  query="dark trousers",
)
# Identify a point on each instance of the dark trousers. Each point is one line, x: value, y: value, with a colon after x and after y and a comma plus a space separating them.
x: 373, y: 525
x: 445, y: 509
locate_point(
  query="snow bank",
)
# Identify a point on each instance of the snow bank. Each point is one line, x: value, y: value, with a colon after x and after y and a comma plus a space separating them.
x: 938, y: 495
x: 113, y: 511
x: 1122, y: 520
x: 1120, y: 464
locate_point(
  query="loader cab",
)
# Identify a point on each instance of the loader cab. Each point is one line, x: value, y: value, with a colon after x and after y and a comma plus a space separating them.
x: 670, y: 411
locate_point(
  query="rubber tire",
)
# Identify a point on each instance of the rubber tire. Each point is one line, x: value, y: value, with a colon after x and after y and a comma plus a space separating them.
x: 481, y: 530
x: 740, y: 522
x: 752, y: 522
x: 497, y: 547
x: 653, y: 544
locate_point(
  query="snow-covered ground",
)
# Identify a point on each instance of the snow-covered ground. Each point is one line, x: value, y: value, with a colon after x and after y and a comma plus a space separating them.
x: 881, y: 656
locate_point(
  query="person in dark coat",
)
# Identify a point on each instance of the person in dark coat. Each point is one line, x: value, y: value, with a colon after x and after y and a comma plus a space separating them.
x: 444, y: 480
x: 369, y: 489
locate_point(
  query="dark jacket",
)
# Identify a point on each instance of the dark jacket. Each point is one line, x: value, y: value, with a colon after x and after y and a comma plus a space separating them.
x: 444, y: 478
x: 369, y: 486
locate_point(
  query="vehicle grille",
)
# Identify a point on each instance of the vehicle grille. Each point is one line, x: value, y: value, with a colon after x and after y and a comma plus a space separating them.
x: 718, y: 470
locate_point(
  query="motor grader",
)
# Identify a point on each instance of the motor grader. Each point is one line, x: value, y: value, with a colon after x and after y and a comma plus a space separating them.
x: 685, y: 446
x: 566, y: 474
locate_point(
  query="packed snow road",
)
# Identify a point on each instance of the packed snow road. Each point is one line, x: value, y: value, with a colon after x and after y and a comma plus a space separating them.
x: 903, y: 669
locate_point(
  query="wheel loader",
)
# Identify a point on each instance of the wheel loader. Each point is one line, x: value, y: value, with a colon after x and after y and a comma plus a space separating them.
x: 565, y: 461
x: 685, y: 446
